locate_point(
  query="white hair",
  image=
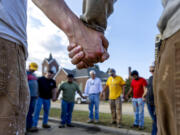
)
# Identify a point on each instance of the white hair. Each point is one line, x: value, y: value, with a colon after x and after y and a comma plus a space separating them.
x: 92, y: 72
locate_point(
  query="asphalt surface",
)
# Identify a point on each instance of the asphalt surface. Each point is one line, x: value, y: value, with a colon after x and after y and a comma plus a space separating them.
x: 54, y: 130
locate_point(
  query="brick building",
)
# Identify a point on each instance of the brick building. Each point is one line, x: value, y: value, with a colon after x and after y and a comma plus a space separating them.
x: 80, y: 76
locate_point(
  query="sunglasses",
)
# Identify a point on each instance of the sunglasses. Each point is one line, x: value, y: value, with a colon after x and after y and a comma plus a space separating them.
x: 151, y: 71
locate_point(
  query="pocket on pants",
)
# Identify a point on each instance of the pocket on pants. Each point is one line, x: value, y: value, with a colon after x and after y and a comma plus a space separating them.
x: 3, y: 70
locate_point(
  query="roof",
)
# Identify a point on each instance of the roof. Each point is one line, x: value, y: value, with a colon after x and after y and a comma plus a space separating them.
x: 78, y: 73
x: 68, y: 71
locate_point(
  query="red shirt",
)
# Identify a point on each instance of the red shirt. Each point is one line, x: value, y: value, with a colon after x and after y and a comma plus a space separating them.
x: 138, y: 87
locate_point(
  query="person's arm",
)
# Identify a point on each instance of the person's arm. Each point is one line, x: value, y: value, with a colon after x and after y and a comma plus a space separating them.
x: 90, y: 41
x: 96, y: 13
x: 80, y: 93
x: 100, y: 86
x: 129, y: 92
x: 123, y: 87
x: 54, y: 94
x: 145, y: 93
x: 104, y: 89
x: 59, y: 91
x: 86, y: 91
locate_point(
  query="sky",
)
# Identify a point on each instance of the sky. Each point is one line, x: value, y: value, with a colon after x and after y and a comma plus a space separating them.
x: 131, y: 33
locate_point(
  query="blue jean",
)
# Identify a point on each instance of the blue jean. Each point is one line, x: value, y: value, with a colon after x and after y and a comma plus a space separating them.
x: 66, y: 112
x: 94, y: 101
x: 138, y: 106
x: 29, y: 118
x: 46, y: 106
x: 151, y: 109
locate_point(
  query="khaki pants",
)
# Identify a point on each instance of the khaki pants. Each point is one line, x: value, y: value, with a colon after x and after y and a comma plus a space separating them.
x: 14, y: 95
x: 116, y: 110
x: 167, y: 86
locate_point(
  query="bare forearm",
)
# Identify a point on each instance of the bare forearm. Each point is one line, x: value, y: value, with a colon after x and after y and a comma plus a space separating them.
x: 129, y: 92
x: 58, y: 93
x: 104, y: 89
x: 59, y: 13
x: 123, y: 90
x: 145, y: 92
x: 79, y: 92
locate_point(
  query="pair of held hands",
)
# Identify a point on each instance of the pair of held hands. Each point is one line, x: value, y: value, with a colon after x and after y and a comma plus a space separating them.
x: 126, y: 98
x: 87, y: 47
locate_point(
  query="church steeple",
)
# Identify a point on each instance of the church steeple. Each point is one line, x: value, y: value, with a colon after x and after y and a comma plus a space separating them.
x: 50, y: 57
x: 50, y: 64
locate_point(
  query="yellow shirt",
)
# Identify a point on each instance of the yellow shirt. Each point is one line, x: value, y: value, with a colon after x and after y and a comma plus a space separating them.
x: 115, y: 86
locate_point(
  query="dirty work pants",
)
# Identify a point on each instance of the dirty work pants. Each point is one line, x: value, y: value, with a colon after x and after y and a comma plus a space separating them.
x: 116, y: 110
x: 167, y: 86
x: 14, y: 93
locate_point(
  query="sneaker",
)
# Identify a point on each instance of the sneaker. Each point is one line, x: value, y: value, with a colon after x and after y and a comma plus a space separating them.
x: 70, y: 125
x: 119, y: 126
x: 134, y: 126
x: 33, y: 129
x: 61, y: 126
x: 90, y: 121
x: 141, y: 128
x: 113, y: 122
x: 46, y: 126
x: 96, y: 121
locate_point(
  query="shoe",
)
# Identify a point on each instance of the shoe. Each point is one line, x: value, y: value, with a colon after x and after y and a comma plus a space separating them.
x: 46, y: 126
x: 70, y: 125
x: 113, y: 122
x: 141, y: 128
x: 134, y: 126
x: 96, y: 121
x: 33, y: 129
x: 119, y: 126
x: 61, y: 126
x: 90, y: 121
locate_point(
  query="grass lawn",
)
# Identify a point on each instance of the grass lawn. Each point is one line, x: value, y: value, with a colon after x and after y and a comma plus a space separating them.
x: 105, y: 118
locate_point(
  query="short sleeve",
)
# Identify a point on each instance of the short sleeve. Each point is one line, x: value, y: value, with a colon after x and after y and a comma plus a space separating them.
x: 122, y: 81
x: 107, y: 83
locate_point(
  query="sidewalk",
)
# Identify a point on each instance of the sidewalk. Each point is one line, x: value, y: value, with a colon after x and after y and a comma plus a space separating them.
x: 103, y: 108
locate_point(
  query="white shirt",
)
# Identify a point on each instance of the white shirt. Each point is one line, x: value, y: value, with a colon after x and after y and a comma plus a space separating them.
x: 93, y: 86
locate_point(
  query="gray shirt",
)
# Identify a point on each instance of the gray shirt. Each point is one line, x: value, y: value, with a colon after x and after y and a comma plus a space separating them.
x: 169, y: 22
x: 13, y: 21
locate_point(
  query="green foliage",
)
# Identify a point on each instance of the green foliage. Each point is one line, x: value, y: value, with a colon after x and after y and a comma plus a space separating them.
x: 127, y: 86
